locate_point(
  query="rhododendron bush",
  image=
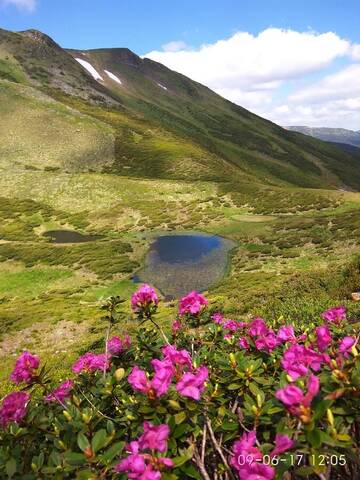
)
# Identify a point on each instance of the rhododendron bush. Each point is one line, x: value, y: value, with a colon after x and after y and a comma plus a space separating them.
x: 210, y: 398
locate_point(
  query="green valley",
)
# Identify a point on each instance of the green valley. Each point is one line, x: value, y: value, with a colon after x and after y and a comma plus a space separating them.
x: 150, y: 152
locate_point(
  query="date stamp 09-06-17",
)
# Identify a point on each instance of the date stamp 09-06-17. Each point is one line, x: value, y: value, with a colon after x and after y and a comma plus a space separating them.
x: 295, y: 459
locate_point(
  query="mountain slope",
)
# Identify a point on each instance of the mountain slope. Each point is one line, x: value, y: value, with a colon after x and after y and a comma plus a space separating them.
x: 336, y: 135
x: 167, y: 126
x: 231, y: 132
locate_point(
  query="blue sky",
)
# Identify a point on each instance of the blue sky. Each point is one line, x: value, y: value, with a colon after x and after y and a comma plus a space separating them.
x: 300, y: 55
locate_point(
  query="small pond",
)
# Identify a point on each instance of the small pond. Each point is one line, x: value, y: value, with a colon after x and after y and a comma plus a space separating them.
x: 179, y: 263
x: 69, y: 236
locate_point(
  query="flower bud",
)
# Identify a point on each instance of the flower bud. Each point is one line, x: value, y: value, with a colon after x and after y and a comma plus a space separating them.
x: 119, y: 374
x: 88, y: 453
x: 174, y: 404
x: 67, y: 416
x: 330, y: 417
x: 86, y: 418
x: 254, y: 410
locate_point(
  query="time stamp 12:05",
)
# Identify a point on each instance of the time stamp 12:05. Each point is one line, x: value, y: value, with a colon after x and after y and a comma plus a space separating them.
x: 295, y: 459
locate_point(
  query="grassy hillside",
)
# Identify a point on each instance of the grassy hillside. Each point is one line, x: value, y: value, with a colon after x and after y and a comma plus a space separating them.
x: 127, y: 161
x: 40, y: 133
x: 256, y: 146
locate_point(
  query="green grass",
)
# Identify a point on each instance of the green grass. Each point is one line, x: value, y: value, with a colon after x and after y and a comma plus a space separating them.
x: 30, y: 283
x: 147, y: 162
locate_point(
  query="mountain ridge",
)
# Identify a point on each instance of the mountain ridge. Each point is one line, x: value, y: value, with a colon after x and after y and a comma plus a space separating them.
x: 198, y: 134
x: 335, y: 135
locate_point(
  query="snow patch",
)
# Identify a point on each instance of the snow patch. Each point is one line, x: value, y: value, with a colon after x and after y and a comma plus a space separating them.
x: 89, y: 68
x: 162, y: 86
x: 113, y: 77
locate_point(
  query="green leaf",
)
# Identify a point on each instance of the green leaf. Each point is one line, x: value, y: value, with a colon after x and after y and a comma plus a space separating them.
x: 180, y: 430
x: 55, y: 458
x: 314, y: 438
x: 179, y: 417
x: 73, y: 458
x: 11, y: 467
x: 110, y: 427
x: 304, y: 471
x: 178, y: 461
x: 321, y: 408
x: 234, y: 386
x: 82, y: 441
x: 99, y: 440
x: 112, y: 452
x: 191, y: 471
x: 229, y: 426
x: 85, y: 475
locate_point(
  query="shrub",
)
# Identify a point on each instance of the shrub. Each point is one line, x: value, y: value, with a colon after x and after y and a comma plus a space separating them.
x: 215, y: 398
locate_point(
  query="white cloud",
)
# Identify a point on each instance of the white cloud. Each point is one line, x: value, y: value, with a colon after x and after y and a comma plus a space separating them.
x: 245, y: 62
x: 341, y: 85
x: 339, y: 113
x: 259, y: 71
x: 174, y: 46
x: 355, y: 52
x: 29, y: 5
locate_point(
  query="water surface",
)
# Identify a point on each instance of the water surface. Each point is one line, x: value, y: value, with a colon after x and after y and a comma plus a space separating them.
x: 69, y: 236
x: 179, y: 263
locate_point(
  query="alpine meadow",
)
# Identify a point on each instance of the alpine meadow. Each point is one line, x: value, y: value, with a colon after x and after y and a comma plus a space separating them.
x: 114, y: 366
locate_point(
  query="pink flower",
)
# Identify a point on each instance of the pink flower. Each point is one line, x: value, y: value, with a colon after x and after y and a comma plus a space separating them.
x: 192, y: 304
x: 61, y: 392
x: 267, y: 342
x: 346, y: 344
x: 127, y: 342
x: 192, y: 385
x: 323, y: 337
x: 13, y: 408
x: 143, y: 298
x: 164, y: 372
x: 286, y: 334
x: 116, y: 345
x: 160, y: 383
x: 296, y: 402
x: 134, y: 465
x: 245, y: 459
x: 175, y: 327
x: 335, y: 315
x: 25, y: 368
x: 290, y: 395
x: 145, y: 466
x: 155, y: 437
x: 231, y: 325
x: 139, y: 381
x: 313, y: 387
x: 177, y: 357
x: 258, y: 327
x: 258, y: 471
x: 282, y: 444
x: 298, y: 359
x: 245, y: 446
x: 90, y: 362
x: 243, y: 343
x: 218, y: 318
